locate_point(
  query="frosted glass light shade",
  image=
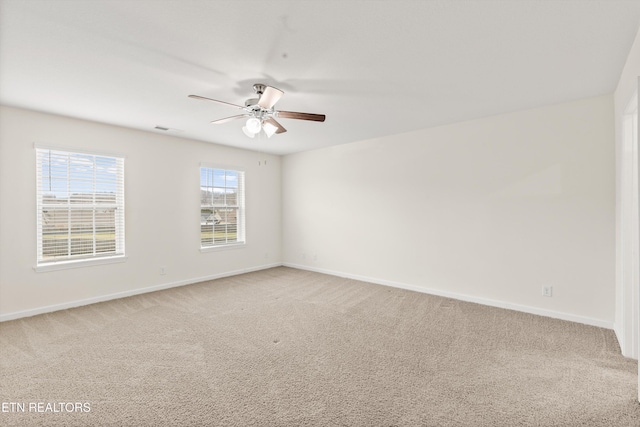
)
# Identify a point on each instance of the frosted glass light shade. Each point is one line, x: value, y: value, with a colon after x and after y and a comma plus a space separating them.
x: 254, y: 125
x: 269, y: 129
x: 248, y: 132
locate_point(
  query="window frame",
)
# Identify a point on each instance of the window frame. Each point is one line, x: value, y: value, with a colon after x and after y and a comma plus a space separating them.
x: 241, y: 240
x: 95, y: 206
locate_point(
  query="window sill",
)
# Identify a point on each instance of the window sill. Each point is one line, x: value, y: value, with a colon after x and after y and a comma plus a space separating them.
x: 230, y: 246
x: 65, y: 265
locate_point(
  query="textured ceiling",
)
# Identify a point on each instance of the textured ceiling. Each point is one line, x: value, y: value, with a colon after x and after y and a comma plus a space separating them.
x: 375, y: 68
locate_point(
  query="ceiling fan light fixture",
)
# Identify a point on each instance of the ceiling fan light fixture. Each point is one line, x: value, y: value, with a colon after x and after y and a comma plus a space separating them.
x: 260, y: 112
x: 248, y: 132
x: 253, y: 125
x: 269, y: 129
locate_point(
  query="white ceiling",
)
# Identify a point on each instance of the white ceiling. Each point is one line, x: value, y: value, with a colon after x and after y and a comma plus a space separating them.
x: 375, y: 68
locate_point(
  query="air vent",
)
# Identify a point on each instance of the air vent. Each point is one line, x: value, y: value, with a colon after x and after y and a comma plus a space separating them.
x: 166, y: 129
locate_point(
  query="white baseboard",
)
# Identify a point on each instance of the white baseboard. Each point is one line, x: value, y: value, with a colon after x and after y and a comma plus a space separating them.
x: 469, y: 298
x: 447, y: 294
x: 102, y: 298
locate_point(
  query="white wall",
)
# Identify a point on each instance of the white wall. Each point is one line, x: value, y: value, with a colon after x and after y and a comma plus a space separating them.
x: 488, y: 210
x: 162, y: 213
x: 625, y: 91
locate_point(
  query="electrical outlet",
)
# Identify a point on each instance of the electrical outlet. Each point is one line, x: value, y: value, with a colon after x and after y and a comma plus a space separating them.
x: 547, y: 291
x: 163, y: 270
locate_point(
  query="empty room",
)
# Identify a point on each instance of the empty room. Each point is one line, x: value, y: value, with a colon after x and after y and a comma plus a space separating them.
x: 319, y: 213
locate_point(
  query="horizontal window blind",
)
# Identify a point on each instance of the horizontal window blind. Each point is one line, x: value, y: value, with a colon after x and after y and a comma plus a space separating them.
x: 222, y: 213
x: 80, y: 206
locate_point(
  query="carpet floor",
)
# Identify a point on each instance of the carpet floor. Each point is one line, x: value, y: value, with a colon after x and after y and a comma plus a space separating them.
x: 285, y: 347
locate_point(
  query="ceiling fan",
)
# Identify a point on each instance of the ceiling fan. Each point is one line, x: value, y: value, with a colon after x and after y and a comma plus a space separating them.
x: 260, y: 112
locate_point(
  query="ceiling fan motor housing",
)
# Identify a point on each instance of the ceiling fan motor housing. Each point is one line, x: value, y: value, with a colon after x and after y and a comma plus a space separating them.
x: 259, y: 88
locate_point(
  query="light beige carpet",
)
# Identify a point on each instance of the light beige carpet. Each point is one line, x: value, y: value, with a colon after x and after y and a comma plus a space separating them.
x: 284, y: 347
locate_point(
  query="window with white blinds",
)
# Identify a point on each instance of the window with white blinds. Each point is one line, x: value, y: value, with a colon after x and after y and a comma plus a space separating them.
x: 221, y: 207
x: 80, y: 206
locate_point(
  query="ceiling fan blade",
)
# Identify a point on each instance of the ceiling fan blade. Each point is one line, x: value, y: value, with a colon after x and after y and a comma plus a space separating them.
x: 280, y: 129
x: 227, y: 119
x: 269, y: 97
x: 301, y: 116
x: 214, y: 100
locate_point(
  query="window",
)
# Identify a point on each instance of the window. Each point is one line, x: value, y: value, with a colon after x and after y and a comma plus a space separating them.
x: 80, y: 206
x: 221, y: 207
